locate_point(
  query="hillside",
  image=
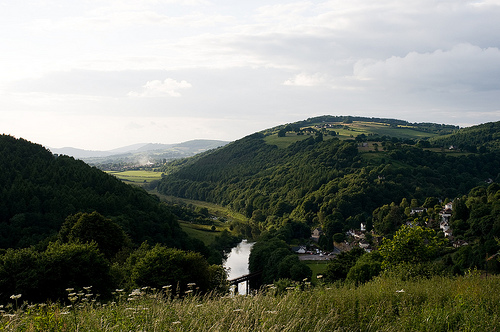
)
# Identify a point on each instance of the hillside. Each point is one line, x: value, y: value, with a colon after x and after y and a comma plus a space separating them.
x: 141, y: 154
x: 481, y: 138
x: 39, y: 190
x: 295, y: 172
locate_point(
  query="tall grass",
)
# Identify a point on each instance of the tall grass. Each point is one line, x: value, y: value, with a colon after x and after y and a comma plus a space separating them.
x: 386, y: 304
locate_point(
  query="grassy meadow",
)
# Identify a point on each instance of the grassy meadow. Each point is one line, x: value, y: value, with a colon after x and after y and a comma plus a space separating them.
x: 136, y: 177
x: 386, y: 304
x: 352, y: 130
x: 203, y: 232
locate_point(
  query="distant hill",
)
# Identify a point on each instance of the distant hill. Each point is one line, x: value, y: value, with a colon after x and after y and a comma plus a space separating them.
x: 312, y: 172
x: 141, y: 152
x: 39, y: 190
x: 482, y: 138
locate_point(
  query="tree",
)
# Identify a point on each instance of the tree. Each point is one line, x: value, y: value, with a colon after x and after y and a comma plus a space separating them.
x: 93, y: 227
x: 161, y: 266
x: 411, y: 245
x: 338, y: 268
x: 367, y: 266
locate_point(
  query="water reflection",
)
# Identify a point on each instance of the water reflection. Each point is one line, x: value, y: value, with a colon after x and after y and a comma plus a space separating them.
x: 237, y: 262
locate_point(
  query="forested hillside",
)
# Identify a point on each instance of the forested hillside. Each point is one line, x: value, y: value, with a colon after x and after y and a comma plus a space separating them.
x: 66, y: 225
x: 39, y: 190
x: 482, y: 138
x: 321, y: 178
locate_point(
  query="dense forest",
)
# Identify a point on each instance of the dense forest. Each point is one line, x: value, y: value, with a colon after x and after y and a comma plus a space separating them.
x: 39, y: 190
x: 64, y: 224
x: 317, y: 179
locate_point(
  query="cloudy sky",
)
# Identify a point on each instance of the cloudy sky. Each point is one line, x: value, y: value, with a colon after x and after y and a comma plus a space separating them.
x: 100, y: 74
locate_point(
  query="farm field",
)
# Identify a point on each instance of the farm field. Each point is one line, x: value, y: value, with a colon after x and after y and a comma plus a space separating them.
x: 213, y: 209
x: 136, y: 177
x: 352, y: 130
x: 203, y: 232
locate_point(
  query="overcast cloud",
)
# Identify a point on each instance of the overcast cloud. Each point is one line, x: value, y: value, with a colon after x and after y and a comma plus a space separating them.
x: 100, y: 74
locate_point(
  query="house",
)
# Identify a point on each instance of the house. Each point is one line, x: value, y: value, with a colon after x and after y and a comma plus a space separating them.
x: 363, y: 244
x: 300, y: 249
x: 459, y: 243
x: 316, y: 233
x: 445, y: 227
x: 356, y: 234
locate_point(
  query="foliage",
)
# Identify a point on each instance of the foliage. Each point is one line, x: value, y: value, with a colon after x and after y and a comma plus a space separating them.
x: 366, y: 268
x: 316, y: 182
x: 480, y: 138
x: 338, y: 268
x: 274, y: 258
x: 411, y: 245
x: 39, y: 190
x: 93, y: 227
x: 160, y: 266
x: 45, y: 275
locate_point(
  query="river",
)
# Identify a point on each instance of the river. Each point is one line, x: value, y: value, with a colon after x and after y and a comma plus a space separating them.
x: 237, y: 262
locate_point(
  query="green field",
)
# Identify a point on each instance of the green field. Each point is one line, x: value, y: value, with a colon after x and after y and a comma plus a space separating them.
x: 203, y: 232
x: 136, y: 177
x: 352, y: 130
x: 213, y: 209
x: 317, y: 267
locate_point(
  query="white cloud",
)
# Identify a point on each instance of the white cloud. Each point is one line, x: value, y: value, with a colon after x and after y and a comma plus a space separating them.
x: 303, y: 79
x: 464, y: 67
x: 157, y: 88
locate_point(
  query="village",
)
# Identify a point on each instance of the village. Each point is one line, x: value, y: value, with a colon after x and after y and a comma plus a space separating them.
x: 369, y: 240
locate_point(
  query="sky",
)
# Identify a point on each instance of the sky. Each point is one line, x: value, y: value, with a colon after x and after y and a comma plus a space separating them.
x: 102, y: 74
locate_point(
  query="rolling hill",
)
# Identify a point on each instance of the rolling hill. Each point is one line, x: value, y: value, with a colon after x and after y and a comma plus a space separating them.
x: 314, y: 171
x: 141, y: 153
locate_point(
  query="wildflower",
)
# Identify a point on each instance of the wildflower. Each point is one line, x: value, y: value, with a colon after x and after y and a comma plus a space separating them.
x: 71, y: 294
x: 69, y: 290
x: 305, y: 279
x: 64, y: 313
x: 136, y: 292
x: 87, y: 288
x: 271, y: 312
x: 15, y: 297
x: 167, y: 287
x: 189, y: 291
x: 145, y: 288
x: 89, y: 295
x: 176, y: 322
x: 319, y: 276
x: 119, y: 290
x: 199, y: 305
x: 400, y: 291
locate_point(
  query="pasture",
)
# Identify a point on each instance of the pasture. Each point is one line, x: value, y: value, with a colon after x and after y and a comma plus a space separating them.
x: 136, y: 177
